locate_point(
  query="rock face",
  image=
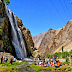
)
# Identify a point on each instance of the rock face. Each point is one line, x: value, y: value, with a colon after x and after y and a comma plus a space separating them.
x: 5, y: 33
x: 54, y: 40
x: 37, y: 39
x: 27, y: 37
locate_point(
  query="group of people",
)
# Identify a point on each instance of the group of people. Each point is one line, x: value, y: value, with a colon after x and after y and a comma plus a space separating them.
x: 50, y: 61
x: 5, y: 59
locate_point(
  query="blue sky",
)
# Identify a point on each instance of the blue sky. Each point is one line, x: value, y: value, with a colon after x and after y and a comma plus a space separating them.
x: 41, y: 15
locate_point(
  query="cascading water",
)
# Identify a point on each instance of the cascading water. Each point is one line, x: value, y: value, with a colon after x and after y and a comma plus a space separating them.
x: 17, y: 39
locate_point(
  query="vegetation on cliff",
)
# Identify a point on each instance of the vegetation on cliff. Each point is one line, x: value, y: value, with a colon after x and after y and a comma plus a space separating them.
x: 7, y: 2
x: 6, y: 36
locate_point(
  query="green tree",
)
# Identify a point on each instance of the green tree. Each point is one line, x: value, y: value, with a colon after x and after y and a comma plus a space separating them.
x: 48, y: 55
x: 55, y: 54
x: 62, y: 48
x: 70, y: 52
x: 7, y: 2
x: 59, y: 54
x: 65, y: 54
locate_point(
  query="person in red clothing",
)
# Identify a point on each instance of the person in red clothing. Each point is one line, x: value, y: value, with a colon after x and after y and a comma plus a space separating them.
x: 52, y: 63
x: 58, y: 64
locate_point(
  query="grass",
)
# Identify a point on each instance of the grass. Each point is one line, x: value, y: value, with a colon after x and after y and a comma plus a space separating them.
x: 10, y: 67
x: 41, y: 68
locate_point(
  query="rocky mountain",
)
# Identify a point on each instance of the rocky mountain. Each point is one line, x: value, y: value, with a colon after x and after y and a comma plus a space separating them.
x: 13, y: 34
x: 37, y: 39
x: 54, y: 40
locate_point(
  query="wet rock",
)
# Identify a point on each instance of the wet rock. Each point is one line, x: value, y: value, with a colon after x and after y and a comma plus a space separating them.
x: 5, y: 33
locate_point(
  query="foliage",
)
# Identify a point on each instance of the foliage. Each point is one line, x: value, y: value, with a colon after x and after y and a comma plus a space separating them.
x: 65, y: 54
x: 67, y: 63
x: 49, y: 69
x: 14, y: 64
x: 34, y: 53
x: 39, y: 68
x: 60, y: 54
x: 70, y: 52
x: 9, y: 48
x: 7, y: 2
x: 48, y: 55
x: 57, y: 54
x: 10, y: 67
x: 67, y: 59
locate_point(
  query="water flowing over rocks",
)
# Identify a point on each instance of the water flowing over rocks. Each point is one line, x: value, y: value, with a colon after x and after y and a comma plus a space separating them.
x: 14, y: 37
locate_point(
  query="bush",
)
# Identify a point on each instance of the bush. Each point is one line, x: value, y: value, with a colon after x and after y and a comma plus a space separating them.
x: 48, y: 55
x: 65, y: 54
x: 8, y: 48
x: 70, y: 52
x: 57, y: 54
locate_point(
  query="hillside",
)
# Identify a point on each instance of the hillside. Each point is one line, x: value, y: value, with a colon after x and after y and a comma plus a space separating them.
x: 37, y: 39
x: 54, y: 40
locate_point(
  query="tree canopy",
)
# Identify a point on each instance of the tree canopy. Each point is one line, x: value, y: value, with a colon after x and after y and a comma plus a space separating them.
x: 7, y: 1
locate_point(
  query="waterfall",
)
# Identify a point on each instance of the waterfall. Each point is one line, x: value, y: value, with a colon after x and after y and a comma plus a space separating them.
x: 17, y: 39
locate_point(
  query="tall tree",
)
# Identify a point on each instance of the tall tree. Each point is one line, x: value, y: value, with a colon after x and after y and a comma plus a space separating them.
x: 62, y: 48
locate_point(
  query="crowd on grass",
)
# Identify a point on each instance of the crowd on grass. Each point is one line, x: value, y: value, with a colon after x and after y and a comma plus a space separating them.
x: 5, y: 59
x: 51, y: 61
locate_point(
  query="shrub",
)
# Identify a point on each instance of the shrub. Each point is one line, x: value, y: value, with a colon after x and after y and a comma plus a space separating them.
x: 48, y: 55
x: 8, y: 48
x: 70, y: 52
x: 65, y: 54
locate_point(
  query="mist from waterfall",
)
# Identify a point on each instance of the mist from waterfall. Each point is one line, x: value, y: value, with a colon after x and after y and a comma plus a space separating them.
x: 17, y: 39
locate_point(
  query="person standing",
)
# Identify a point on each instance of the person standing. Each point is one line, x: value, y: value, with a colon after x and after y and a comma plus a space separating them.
x: 6, y: 59
x: 14, y: 60
x: 38, y: 60
x: 56, y: 59
x: 34, y: 61
x: 71, y: 59
x: 11, y: 60
x: 43, y: 60
x: 1, y: 59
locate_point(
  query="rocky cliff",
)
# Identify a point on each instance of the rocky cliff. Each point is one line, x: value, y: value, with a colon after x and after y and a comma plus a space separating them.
x: 38, y: 39
x: 5, y: 33
x: 54, y: 40
x: 27, y: 37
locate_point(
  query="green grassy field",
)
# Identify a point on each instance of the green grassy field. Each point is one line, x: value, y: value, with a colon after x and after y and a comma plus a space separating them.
x: 10, y: 67
x: 41, y: 68
x: 4, y: 67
